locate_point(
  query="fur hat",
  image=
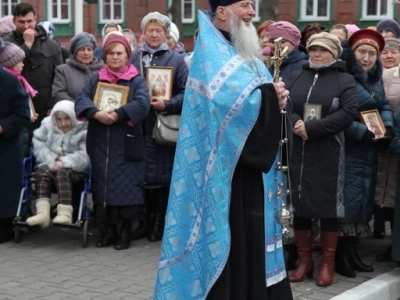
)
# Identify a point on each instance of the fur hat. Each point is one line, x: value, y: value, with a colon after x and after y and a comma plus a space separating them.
x: 81, y: 40
x: 389, y: 25
x: 10, y: 55
x: 174, y: 32
x: 215, y: 3
x: 367, y: 36
x: 116, y: 37
x: 285, y: 30
x: 328, y: 41
x: 65, y: 106
x: 156, y: 16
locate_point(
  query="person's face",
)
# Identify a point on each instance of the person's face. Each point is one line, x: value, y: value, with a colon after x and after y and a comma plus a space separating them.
x: 63, y: 121
x: 117, y: 58
x: 155, y: 35
x: 339, y: 33
x: 263, y: 37
x: 387, y: 34
x: 23, y: 23
x: 366, y: 55
x: 390, y: 57
x: 85, y: 55
x: 284, y: 43
x: 171, y: 42
x: 244, y: 11
x: 110, y: 29
x: 320, y: 56
x: 18, y: 67
x: 130, y: 38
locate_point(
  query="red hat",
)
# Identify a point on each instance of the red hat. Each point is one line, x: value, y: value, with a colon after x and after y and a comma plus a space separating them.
x: 369, y: 37
x: 114, y: 37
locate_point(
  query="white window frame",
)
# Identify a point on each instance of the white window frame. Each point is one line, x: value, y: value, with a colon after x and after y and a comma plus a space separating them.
x: 185, y: 20
x: 101, y: 10
x: 257, y: 10
x: 9, y: 4
x: 50, y: 12
x: 389, y: 15
x: 314, y: 17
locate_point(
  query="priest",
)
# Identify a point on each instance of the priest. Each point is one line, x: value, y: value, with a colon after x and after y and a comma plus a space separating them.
x: 222, y: 238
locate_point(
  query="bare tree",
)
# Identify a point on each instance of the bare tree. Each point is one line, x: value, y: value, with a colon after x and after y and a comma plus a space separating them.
x: 268, y: 10
x: 175, y: 10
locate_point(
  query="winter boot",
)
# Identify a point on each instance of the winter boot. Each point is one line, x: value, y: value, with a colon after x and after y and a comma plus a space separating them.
x: 157, y: 230
x: 64, y: 214
x: 342, y: 264
x: 291, y: 256
x: 108, y: 235
x: 42, y: 217
x: 327, y: 268
x: 305, y: 265
x: 125, y: 237
x: 354, y: 257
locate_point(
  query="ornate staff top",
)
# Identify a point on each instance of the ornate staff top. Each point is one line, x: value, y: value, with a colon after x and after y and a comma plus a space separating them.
x: 277, y: 58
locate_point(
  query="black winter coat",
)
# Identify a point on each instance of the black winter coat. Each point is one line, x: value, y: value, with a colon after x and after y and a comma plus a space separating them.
x: 14, y: 114
x: 117, y: 152
x: 160, y: 158
x: 39, y: 64
x: 317, y: 164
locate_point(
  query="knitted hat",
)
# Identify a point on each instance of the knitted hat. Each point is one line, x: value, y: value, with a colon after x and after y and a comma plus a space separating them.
x: 392, y: 43
x: 215, y: 3
x: 6, y: 25
x: 156, y: 16
x: 352, y: 28
x: 10, y: 55
x: 285, y: 30
x: 389, y: 25
x: 66, y: 107
x: 113, y: 37
x: 328, y: 41
x: 174, y: 32
x: 369, y: 37
x: 81, y: 40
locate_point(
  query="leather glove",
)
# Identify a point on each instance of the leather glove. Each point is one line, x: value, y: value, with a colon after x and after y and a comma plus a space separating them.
x: 385, y: 142
x: 368, y: 136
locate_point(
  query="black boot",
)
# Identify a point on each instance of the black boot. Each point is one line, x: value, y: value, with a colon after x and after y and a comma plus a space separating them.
x: 6, y: 230
x: 354, y: 257
x: 125, y: 237
x: 108, y: 235
x: 342, y: 264
x: 379, y: 223
x: 291, y: 256
x: 157, y: 230
x: 385, y: 256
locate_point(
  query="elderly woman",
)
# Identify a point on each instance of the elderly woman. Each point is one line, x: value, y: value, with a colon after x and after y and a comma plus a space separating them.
x: 116, y: 144
x: 385, y: 195
x: 324, y: 105
x: 361, y: 54
x: 388, y: 28
x: 159, y: 158
x: 14, y: 114
x: 340, y: 31
x: 307, y: 32
x: 71, y: 77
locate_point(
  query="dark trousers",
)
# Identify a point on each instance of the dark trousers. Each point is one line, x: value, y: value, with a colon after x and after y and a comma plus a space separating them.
x: 330, y: 225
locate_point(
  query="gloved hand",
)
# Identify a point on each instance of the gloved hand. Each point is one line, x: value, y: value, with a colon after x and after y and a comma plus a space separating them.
x: 368, y: 136
x: 384, y: 143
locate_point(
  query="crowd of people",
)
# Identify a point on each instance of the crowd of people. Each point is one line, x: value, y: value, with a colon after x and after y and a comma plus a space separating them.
x: 208, y: 196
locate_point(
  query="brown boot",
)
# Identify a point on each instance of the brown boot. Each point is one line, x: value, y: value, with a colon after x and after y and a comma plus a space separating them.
x: 328, y: 248
x: 305, y: 266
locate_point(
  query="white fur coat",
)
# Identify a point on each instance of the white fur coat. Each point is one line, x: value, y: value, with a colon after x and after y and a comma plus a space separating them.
x: 48, y: 142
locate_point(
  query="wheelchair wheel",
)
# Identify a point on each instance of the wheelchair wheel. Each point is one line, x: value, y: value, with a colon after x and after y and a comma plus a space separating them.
x: 17, y: 234
x: 85, y: 234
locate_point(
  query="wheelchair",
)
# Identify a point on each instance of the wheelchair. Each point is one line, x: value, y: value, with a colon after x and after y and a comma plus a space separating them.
x: 27, y: 196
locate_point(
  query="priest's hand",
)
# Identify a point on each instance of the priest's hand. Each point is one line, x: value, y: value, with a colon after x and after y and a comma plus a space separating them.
x: 300, y: 129
x: 157, y: 104
x: 282, y: 93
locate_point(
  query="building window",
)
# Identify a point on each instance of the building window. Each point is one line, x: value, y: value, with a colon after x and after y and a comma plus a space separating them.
x: 257, y: 10
x: 59, y: 11
x: 188, y: 10
x: 112, y: 11
x: 315, y: 10
x: 377, y: 9
x: 7, y: 7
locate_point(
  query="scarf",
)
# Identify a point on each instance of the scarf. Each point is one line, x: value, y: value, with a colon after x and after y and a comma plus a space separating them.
x: 312, y: 66
x: 150, y: 51
x: 127, y: 73
x: 28, y: 88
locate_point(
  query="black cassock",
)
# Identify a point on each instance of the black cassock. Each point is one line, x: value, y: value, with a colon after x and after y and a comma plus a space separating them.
x: 243, y: 277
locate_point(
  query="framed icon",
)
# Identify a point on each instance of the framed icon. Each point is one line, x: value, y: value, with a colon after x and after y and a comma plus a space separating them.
x: 110, y: 96
x: 312, y: 112
x: 372, y: 119
x: 159, y: 82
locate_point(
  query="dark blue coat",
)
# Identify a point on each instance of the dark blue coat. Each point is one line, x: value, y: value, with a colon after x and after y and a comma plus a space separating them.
x: 117, y: 152
x: 160, y: 158
x: 14, y: 114
x: 362, y: 157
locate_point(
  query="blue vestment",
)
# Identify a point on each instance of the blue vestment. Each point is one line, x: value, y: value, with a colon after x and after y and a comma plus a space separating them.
x: 221, y: 105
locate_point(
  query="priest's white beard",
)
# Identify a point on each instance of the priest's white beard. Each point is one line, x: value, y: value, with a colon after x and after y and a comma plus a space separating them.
x: 244, y: 38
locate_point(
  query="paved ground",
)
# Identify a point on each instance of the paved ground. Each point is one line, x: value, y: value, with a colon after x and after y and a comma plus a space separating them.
x: 51, y: 265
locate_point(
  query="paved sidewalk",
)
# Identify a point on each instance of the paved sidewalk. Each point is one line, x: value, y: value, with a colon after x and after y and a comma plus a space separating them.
x: 52, y: 265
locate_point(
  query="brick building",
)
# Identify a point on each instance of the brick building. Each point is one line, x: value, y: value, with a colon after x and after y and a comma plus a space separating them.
x: 130, y: 12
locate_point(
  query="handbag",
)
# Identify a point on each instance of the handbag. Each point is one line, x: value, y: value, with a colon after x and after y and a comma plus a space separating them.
x: 165, y: 131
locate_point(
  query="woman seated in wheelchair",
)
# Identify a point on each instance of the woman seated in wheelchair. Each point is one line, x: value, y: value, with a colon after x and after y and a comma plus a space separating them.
x: 59, y: 147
